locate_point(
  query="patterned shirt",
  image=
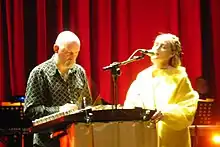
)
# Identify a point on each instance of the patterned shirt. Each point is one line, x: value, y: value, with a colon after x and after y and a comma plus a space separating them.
x: 47, y: 90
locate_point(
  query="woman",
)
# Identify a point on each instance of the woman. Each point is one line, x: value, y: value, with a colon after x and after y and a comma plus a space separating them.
x: 165, y: 86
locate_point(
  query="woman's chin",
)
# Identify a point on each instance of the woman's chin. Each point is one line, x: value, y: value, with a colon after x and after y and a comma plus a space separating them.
x: 154, y: 59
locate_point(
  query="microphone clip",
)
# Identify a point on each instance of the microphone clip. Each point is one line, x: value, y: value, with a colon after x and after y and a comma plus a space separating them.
x: 147, y: 52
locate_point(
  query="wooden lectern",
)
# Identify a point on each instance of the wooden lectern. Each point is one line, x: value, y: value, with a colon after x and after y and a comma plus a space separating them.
x: 112, y: 134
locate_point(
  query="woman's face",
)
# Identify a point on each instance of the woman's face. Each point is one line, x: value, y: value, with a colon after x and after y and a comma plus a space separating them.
x: 162, y: 50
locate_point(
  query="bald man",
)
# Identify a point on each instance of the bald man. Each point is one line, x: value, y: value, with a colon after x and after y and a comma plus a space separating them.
x: 56, y: 85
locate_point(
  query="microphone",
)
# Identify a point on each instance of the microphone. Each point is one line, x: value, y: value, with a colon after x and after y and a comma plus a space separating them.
x: 147, y: 52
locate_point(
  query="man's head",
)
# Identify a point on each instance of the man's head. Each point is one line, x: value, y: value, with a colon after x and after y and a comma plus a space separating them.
x: 66, y: 47
x: 167, y: 48
x: 202, y: 85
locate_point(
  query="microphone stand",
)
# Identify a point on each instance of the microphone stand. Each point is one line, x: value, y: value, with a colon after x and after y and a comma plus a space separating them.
x: 115, y: 72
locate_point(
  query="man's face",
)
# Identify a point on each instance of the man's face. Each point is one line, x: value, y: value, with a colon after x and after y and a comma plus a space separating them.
x: 68, y: 53
x: 201, y: 86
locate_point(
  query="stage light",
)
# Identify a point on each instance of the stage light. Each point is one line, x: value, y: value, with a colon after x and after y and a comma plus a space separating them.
x: 216, y: 139
x: 17, y: 98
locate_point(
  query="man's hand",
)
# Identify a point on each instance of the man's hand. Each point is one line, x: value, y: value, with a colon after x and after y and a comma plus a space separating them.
x: 68, y: 107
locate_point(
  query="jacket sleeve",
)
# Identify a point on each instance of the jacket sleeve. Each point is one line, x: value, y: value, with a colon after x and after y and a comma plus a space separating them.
x: 179, y: 114
x: 131, y: 97
x: 36, y: 98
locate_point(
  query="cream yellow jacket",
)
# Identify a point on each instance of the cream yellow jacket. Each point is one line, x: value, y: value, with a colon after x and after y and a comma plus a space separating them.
x: 171, y: 92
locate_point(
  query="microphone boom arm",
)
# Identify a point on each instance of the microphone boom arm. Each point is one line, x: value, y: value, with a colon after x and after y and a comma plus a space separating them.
x: 131, y: 59
x: 115, y: 71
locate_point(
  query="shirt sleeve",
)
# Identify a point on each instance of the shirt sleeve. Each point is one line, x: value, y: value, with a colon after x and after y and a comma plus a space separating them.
x: 86, y: 91
x: 87, y: 94
x: 180, y: 113
x: 36, y: 98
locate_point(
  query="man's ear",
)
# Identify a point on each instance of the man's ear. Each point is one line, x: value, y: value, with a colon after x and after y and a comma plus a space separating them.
x: 55, y: 48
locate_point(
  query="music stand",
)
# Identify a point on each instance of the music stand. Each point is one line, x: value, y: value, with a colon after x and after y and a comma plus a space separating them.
x: 203, y: 116
x: 204, y: 112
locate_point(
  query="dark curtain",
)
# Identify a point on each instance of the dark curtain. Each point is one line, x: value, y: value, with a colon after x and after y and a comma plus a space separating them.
x: 110, y: 30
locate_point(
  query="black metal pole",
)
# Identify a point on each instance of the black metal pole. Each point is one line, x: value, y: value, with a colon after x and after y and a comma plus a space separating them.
x: 115, y: 71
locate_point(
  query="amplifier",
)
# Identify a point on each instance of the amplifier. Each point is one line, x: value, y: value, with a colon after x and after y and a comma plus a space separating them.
x: 12, y: 118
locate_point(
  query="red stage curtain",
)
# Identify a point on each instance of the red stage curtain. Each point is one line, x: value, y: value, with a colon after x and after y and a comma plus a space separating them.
x: 2, y: 81
x: 109, y: 31
x: 215, y: 17
x: 12, y: 48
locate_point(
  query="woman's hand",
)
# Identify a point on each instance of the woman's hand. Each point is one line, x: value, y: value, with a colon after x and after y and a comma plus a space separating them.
x: 157, y: 116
